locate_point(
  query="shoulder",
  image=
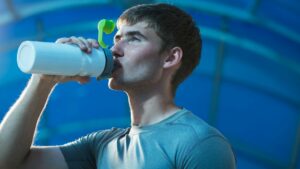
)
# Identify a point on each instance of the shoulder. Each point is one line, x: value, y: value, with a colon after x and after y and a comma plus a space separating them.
x: 202, y: 144
x: 193, y: 127
x: 86, y: 149
x: 95, y: 140
x: 211, y: 153
x: 105, y: 134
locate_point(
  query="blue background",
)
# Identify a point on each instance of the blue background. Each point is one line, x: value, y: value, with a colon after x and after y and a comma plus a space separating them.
x: 247, y: 84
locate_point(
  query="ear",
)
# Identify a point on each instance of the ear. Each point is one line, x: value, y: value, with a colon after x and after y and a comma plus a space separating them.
x: 173, y: 58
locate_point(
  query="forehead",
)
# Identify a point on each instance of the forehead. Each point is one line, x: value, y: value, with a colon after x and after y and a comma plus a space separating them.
x: 142, y: 27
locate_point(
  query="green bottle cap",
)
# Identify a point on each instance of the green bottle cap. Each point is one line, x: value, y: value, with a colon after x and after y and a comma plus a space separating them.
x: 106, y: 26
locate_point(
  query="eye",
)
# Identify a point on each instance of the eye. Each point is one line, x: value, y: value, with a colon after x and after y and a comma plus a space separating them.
x: 133, y: 38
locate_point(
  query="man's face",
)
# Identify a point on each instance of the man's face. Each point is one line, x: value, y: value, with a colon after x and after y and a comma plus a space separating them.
x: 137, y: 50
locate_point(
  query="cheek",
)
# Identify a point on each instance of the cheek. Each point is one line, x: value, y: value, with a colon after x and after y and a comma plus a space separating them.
x: 145, y: 69
x: 142, y: 59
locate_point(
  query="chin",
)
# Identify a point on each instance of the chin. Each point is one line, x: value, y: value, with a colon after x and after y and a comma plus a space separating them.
x: 114, y: 85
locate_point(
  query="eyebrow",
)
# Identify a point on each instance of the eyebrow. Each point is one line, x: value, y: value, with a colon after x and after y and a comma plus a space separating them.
x: 131, y: 33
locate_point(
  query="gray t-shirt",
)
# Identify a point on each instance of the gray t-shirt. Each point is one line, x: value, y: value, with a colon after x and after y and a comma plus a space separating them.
x: 181, y: 141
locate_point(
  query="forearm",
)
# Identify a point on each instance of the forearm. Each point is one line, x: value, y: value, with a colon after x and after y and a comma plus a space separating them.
x: 18, y: 126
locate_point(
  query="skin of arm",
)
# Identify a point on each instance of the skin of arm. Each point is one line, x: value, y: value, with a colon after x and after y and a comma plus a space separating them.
x: 18, y: 127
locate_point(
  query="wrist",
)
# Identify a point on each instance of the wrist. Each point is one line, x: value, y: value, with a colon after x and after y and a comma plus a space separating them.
x: 43, y: 80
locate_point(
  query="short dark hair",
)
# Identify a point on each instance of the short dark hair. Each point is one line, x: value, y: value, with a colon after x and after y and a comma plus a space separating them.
x: 176, y: 28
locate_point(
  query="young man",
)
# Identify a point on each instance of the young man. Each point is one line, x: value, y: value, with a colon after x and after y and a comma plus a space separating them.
x: 156, y: 48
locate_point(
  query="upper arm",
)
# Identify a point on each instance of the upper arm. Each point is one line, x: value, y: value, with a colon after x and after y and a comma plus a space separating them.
x: 211, y: 153
x: 49, y: 157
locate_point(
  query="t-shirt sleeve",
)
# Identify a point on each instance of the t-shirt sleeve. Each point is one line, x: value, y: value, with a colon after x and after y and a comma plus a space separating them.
x: 211, y: 153
x: 82, y: 153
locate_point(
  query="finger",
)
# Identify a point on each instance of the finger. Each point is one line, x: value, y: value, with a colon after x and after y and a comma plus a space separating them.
x: 79, y: 43
x: 63, y: 40
x: 93, y: 42
x: 79, y: 79
x: 86, y: 43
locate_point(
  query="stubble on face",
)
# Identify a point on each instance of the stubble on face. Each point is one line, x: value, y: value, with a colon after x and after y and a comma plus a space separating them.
x: 141, y: 61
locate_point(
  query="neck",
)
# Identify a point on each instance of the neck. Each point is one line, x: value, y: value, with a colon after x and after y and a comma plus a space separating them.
x: 150, y: 106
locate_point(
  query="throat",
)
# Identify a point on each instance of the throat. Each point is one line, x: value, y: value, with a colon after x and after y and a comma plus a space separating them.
x: 150, y: 106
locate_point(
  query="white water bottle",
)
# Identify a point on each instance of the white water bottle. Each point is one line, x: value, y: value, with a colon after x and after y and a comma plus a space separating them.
x: 64, y: 59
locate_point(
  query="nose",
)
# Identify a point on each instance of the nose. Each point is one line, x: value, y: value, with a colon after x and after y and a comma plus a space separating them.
x: 116, y: 50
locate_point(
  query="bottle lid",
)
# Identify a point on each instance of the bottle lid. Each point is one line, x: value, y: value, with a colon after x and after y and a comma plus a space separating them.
x: 109, y: 65
x: 106, y: 26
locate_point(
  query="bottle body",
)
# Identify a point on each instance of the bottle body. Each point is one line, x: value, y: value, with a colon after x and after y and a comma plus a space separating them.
x: 63, y: 59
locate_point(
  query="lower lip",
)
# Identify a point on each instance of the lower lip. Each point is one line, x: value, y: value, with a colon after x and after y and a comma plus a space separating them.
x: 115, y: 72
